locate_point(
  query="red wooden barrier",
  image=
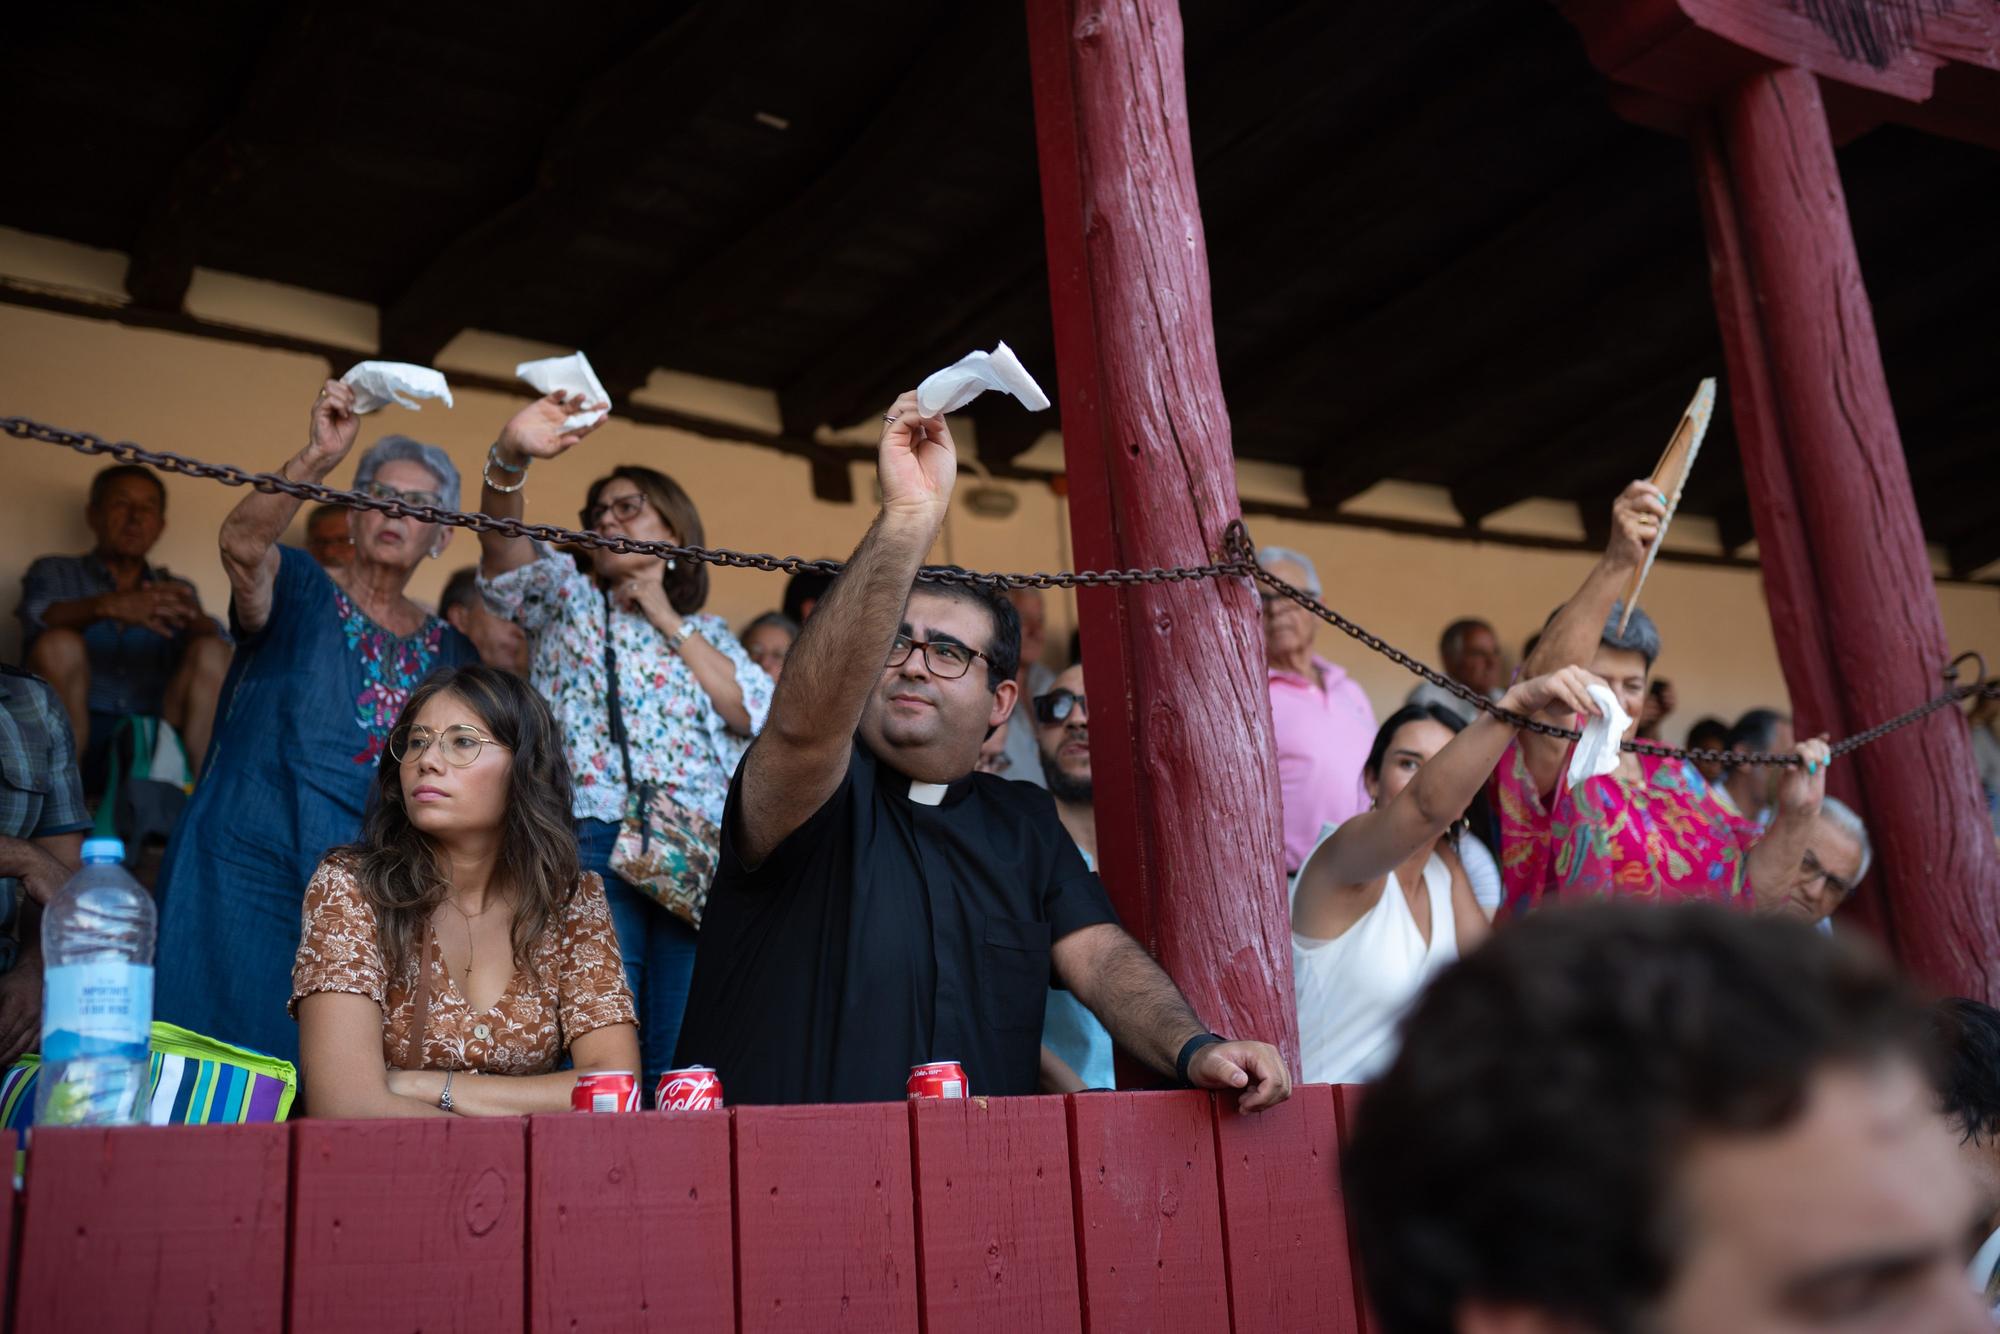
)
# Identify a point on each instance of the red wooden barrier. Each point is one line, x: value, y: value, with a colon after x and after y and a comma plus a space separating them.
x: 1347, y: 1103
x: 1283, y: 1219
x: 171, y: 1228
x: 1149, y: 1238
x: 408, y: 1225
x: 8, y: 1212
x: 995, y: 1236
x: 824, y: 1236
x: 629, y: 1225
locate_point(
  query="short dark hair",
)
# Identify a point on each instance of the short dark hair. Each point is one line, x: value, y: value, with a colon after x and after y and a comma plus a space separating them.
x: 1003, y: 653
x: 106, y: 476
x: 1522, y: 1148
x: 1397, y: 721
x: 461, y: 590
x: 803, y: 587
x: 1452, y: 641
x: 1756, y: 730
x: 1709, y: 734
x: 1965, y: 1054
x: 322, y: 511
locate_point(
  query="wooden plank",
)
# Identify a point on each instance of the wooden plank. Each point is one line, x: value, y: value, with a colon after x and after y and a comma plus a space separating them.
x: 8, y: 1210
x: 995, y: 1234
x: 187, y: 1220
x: 409, y: 1225
x: 1148, y: 1225
x: 824, y: 1235
x: 630, y: 1223
x: 1284, y: 1220
x: 1347, y: 1109
x: 1184, y: 718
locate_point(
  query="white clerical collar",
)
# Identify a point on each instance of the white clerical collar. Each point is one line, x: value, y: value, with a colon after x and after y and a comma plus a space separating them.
x: 928, y: 794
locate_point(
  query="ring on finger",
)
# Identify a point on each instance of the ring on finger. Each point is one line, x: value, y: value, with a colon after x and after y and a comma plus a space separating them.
x: 891, y: 419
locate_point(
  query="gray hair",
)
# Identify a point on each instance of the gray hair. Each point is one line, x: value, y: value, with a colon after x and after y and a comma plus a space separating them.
x: 391, y: 448
x: 1640, y: 636
x: 1841, y: 816
x: 1272, y: 555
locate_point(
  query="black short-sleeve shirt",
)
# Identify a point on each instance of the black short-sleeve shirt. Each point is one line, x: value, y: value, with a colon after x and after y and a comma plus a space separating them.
x: 901, y: 923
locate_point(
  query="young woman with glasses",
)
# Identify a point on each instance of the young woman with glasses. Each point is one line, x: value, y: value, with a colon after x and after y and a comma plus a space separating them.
x: 689, y: 698
x: 455, y: 953
x: 324, y: 660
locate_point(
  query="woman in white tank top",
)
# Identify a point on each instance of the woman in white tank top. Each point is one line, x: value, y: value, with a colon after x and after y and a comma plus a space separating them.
x: 1382, y: 902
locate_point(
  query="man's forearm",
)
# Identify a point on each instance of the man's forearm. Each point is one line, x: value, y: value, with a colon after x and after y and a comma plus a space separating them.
x: 1134, y: 998
x: 75, y: 614
x: 839, y: 654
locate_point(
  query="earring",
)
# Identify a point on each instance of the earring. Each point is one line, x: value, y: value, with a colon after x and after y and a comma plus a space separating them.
x: 670, y: 564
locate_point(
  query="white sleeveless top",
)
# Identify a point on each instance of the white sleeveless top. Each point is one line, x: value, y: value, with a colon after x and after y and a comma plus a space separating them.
x: 1352, y: 991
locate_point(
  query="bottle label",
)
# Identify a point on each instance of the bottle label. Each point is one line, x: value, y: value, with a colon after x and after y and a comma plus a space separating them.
x: 97, y: 1009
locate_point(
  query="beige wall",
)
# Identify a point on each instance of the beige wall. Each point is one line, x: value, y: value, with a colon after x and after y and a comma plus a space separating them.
x: 232, y: 403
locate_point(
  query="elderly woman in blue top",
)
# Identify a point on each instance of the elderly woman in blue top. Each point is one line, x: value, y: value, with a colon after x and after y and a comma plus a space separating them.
x: 324, y: 662
x: 689, y: 696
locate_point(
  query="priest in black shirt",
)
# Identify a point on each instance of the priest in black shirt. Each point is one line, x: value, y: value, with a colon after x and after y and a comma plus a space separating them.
x: 878, y: 903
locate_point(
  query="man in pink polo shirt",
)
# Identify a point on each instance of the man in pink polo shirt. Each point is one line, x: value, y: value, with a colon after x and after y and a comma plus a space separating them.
x: 1322, y: 720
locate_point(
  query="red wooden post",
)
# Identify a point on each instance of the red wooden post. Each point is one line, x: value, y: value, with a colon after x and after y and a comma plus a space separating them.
x: 151, y: 1228
x: 629, y: 1223
x: 1846, y: 572
x: 1182, y: 760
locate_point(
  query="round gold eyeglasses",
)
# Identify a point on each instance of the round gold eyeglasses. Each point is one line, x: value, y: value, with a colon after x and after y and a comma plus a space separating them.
x: 459, y: 744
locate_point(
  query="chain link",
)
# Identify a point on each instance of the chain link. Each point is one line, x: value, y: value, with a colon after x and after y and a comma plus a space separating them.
x: 1238, y: 560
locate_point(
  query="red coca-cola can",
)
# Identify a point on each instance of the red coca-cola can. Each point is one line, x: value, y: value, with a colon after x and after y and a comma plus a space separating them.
x: 693, y: 1089
x: 937, y: 1079
x: 605, y: 1091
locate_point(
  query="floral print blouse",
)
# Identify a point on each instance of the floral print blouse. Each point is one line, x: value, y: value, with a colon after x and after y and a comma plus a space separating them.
x: 391, y: 667
x: 1665, y: 838
x: 678, y: 739
x: 578, y: 984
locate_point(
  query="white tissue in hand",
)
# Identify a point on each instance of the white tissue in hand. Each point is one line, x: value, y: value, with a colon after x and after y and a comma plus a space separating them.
x: 377, y: 384
x: 970, y: 376
x: 1597, y: 753
x: 569, y: 375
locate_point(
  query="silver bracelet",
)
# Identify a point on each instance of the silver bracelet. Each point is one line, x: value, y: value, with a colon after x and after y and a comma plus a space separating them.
x: 444, y: 1098
x: 486, y: 476
x: 493, y: 457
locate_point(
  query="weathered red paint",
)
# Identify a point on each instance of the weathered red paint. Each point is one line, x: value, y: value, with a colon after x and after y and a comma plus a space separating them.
x: 1181, y: 755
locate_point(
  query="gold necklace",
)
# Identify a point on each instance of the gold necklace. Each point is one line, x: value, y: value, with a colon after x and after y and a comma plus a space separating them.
x: 468, y: 916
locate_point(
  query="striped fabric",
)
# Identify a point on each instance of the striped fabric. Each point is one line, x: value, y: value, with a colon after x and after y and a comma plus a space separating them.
x: 195, y: 1081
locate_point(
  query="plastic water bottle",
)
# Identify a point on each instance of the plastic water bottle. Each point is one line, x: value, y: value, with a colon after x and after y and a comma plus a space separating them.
x: 97, y: 997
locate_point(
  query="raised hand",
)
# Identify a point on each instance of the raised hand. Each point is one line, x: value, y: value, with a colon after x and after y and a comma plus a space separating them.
x: 1636, y: 517
x: 1565, y: 690
x: 537, y: 431
x: 916, y: 461
x: 335, y: 424
x: 1802, y: 787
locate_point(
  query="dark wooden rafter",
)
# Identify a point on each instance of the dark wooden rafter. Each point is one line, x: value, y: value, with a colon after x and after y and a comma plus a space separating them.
x: 777, y: 247
x: 307, y: 46
x: 663, y: 83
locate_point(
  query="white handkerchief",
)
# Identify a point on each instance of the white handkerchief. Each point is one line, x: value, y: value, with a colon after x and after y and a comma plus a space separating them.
x: 970, y: 376
x: 1597, y: 753
x: 571, y: 375
x: 377, y: 384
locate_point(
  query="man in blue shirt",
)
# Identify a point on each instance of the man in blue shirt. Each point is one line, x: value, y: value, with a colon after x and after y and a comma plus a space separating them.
x: 118, y: 636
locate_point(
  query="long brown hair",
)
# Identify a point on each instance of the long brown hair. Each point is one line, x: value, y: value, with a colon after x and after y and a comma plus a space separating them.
x: 687, y: 582
x: 398, y: 867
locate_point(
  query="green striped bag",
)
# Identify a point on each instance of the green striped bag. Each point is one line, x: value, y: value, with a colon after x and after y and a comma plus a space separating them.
x: 195, y: 1081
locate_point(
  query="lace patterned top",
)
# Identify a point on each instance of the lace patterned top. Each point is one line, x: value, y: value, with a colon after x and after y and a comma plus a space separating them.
x: 1664, y: 838
x: 578, y: 984
x: 678, y: 739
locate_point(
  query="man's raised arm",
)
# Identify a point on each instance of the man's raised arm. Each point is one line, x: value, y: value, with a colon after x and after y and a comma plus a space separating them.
x: 801, y: 756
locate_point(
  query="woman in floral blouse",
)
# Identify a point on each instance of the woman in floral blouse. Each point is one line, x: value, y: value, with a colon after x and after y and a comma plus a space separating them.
x: 452, y: 956
x: 324, y: 663
x: 688, y: 695
x: 1654, y: 829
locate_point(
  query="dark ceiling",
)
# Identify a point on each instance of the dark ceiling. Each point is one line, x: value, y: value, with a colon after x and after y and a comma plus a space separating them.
x: 1436, y: 254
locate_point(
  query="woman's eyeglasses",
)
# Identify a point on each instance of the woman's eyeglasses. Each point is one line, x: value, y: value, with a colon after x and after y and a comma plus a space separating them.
x: 1056, y: 707
x: 424, y: 499
x: 1810, y: 867
x: 459, y: 744
x: 942, y: 658
x: 627, y: 507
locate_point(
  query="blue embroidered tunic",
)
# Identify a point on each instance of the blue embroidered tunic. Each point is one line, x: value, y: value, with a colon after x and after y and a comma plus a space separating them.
x: 303, y: 720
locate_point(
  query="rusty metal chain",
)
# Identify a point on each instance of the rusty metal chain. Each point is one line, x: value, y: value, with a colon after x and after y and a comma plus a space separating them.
x: 1238, y: 559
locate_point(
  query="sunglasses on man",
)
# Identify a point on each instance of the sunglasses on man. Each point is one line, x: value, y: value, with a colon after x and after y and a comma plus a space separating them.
x: 1056, y: 707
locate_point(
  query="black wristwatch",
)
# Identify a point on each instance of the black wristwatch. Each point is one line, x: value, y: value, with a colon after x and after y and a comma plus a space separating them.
x: 1188, y: 1049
